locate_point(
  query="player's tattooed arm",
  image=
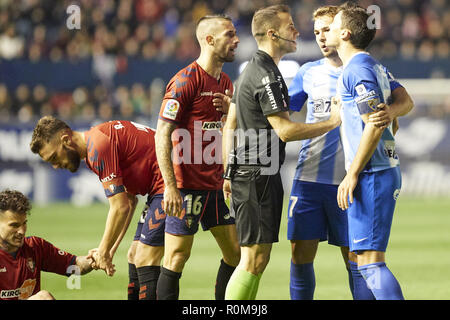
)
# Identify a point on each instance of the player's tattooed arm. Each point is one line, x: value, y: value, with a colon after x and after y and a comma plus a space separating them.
x: 227, y: 145
x: 172, y: 203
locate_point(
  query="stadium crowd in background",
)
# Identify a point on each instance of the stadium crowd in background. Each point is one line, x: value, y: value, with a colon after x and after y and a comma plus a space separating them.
x: 162, y: 30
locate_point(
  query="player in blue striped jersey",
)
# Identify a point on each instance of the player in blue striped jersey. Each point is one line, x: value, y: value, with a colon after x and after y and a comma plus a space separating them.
x: 313, y: 213
x: 372, y: 184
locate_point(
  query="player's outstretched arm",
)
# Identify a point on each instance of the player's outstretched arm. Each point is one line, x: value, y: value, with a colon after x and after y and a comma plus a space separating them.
x: 172, y: 203
x: 84, y: 264
x: 133, y: 201
x: 288, y: 130
x: 117, y: 217
x: 227, y: 145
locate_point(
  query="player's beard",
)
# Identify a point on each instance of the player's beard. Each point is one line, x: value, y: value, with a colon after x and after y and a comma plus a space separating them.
x: 74, y: 160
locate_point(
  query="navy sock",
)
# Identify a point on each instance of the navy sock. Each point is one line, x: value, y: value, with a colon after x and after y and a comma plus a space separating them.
x: 360, y: 289
x: 148, y: 278
x: 350, y: 281
x: 223, y: 276
x: 303, y: 281
x: 167, y: 287
x: 133, y: 283
x: 381, y: 281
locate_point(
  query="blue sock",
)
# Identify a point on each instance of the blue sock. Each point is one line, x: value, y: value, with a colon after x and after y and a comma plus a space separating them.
x: 381, y: 281
x: 303, y: 281
x: 350, y: 281
x: 360, y: 289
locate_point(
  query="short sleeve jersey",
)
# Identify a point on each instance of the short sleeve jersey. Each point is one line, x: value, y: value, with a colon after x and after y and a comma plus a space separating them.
x: 321, y: 159
x: 20, y: 276
x: 260, y: 92
x: 122, y: 155
x: 197, y: 141
x: 364, y: 84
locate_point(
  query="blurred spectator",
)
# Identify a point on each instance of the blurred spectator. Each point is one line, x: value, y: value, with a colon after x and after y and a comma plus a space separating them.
x: 163, y: 29
x: 11, y: 45
x: 113, y: 32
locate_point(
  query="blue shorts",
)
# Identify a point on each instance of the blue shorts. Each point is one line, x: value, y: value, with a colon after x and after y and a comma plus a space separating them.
x: 370, y: 215
x: 150, y: 229
x: 205, y: 207
x: 313, y: 213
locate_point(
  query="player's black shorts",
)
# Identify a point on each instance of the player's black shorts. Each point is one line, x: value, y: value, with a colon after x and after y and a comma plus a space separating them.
x: 257, y: 204
x: 206, y: 207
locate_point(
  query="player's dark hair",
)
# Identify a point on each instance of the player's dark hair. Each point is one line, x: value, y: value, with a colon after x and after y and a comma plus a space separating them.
x: 46, y: 128
x: 354, y: 18
x: 267, y: 18
x: 14, y: 201
x: 214, y: 16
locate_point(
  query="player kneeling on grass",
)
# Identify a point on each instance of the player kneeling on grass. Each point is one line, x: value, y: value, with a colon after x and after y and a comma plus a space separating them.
x: 22, y: 258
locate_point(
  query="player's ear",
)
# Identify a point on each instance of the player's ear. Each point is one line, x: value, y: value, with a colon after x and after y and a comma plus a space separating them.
x: 210, y: 40
x: 271, y: 34
x: 66, y: 139
x: 345, y: 34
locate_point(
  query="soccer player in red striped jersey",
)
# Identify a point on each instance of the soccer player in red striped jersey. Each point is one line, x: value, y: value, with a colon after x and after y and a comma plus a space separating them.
x: 193, y: 180
x: 23, y: 258
x: 122, y: 154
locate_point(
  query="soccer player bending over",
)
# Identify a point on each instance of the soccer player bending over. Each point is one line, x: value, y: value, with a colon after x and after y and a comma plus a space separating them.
x: 372, y: 184
x: 23, y: 258
x: 122, y: 155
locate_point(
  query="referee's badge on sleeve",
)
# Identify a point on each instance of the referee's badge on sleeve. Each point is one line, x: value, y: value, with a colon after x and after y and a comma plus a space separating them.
x: 171, y: 109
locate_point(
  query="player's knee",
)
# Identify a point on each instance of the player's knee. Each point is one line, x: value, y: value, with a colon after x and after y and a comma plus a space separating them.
x: 176, y: 260
x: 42, y: 295
x: 303, y: 251
x: 256, y: 264
x: 131, y: 253
x: 234, y: 257
x: 147, y: 255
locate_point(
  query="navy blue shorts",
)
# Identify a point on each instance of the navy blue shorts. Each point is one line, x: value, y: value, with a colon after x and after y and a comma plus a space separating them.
x: 205, y: 207
x: 371, y: 213
x: 313, y: 213
x: 150, y: 229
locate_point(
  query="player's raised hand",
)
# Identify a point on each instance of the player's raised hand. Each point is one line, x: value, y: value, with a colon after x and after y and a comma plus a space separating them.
x: 383, y: 117
x: 172, y: 203
x: 335, y: 110
x: 345, y: 191
x: 222, y: 101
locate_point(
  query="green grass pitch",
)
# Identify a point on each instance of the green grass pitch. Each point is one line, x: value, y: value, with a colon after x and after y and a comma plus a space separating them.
x: 417, y: 255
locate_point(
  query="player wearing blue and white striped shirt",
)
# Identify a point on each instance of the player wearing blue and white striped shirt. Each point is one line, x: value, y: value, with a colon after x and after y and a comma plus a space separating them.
x: 373, y: 181
x: 313, y: 213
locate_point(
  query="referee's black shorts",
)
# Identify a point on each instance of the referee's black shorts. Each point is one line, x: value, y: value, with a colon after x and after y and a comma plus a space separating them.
x: 257, y: 204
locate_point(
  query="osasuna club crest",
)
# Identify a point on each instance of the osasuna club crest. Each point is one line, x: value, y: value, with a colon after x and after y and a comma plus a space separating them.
x: 31, y: 264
